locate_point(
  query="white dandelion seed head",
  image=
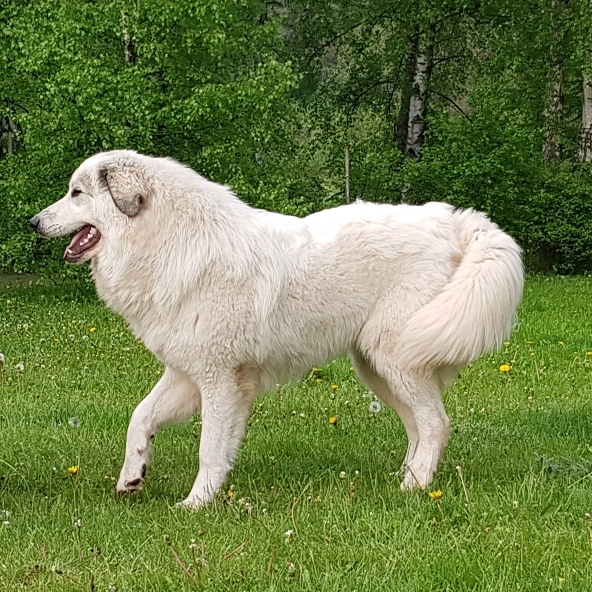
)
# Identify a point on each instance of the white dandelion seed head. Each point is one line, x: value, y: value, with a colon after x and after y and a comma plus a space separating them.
x: 20, y: 367
x: 342, y: 475
x: 74, y: 422
x: 2, y: 359
x: 375, y: 407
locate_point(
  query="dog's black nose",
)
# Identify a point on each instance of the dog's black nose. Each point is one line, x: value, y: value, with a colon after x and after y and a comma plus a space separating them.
x: 34, y: 222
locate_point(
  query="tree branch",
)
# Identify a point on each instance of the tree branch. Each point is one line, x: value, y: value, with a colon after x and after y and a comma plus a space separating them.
x: 448, y: 58
x: 430, y: 90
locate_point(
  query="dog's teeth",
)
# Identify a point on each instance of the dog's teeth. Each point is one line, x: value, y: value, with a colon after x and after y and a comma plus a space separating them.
x: 93, y: 231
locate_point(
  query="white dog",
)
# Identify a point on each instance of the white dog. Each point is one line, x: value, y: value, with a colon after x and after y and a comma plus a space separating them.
x: 234, y: 300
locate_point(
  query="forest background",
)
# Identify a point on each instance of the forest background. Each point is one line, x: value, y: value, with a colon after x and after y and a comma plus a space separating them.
x: 484, y: 104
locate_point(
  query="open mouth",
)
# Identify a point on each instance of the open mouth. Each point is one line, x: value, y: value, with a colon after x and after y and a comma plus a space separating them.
x: 81, y: 246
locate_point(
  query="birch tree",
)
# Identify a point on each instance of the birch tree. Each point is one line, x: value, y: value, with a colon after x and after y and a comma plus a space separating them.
x: 418, y: 98
x: 585, y: 139
x: 390, y: 57
x: 555, y: 97
x: 585, y: 52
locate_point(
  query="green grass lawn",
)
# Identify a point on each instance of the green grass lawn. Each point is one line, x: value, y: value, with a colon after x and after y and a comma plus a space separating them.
x: 516, y: 479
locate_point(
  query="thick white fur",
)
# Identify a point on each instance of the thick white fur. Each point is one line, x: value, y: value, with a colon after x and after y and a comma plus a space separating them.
x: 234, y: 300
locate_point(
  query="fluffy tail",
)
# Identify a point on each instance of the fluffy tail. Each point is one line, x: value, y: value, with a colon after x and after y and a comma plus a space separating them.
x: 476, y: 310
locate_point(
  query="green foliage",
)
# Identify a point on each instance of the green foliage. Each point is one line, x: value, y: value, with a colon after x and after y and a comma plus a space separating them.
x: 197, y: 81
x: 492, y: 163
x: 266, y: 98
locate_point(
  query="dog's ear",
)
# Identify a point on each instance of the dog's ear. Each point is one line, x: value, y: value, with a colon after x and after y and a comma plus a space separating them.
x: 128, y: 184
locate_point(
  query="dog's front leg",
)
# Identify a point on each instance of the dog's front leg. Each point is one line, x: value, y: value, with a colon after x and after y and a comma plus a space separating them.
x: 174, y: 399
x: 226, y: 406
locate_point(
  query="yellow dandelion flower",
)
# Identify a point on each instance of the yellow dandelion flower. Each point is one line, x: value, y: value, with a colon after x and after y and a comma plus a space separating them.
x: 589, y: 353
x: 506, y: 343
x: 230, y: 493
x: 319, y: 380
x: 505, y: 368
x: 333, y: 420
x: 74, y: 470
x: 436, y: 495
x: 316, y: 369
x: 530, y: 343
x: 93, y: 329
x: 351, y: 368
x: 562, y: 343
x: 334, y: 387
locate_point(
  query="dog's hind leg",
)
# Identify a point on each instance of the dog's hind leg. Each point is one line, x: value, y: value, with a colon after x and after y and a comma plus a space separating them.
x: 433, y: 425
x: 381, y: 389
x: 174, y: 399
x: 226, y: 406
x: 418, y: 401
x: 422, y: 396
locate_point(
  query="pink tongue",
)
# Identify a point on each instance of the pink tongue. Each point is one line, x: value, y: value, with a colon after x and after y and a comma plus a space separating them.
x: 81, y: 242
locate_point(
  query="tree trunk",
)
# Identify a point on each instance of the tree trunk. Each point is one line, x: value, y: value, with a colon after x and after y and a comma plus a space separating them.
x: 418, y: 103
x: 585, y: 142
x: 129, y: 43
x: 405, y: 97
x: 554, y: 114
x: 555, y: 89
x: 8, y: 142
x: 411, y: 121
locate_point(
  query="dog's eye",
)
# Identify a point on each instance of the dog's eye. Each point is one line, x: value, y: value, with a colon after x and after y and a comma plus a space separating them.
x: 76, y: 192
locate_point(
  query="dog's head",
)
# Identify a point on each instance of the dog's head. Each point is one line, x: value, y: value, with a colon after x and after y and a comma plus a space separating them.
x: 107, y: 192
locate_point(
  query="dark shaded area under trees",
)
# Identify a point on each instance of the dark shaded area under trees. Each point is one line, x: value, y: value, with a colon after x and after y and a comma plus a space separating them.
x: 477, y: 103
